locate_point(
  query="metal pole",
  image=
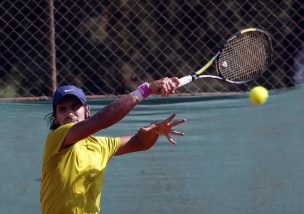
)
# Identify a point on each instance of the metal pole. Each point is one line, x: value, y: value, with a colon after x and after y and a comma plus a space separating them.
x: 52, y: 46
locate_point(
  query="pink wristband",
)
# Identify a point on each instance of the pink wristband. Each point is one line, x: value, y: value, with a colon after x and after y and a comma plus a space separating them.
x: 144, y: 89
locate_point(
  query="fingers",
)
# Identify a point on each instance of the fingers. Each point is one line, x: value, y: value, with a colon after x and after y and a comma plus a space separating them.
x: 169, y: 118
x: 165, y: 128
x: 164, y: 86
x: 174, y: 133
x: 169, y: 125
x: 175, y: 82
x: 170, y: 139
x: 177, y: 122
x: 178, y: 133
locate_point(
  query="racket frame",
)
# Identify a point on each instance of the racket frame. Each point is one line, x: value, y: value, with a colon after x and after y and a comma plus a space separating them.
x: 198, y: 74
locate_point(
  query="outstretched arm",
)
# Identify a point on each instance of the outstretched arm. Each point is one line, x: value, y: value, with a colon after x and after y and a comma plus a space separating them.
x: 115, y: 111
x: 146, y: 137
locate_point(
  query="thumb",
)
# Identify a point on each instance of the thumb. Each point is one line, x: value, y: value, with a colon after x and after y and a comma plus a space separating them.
x: 175, y: 82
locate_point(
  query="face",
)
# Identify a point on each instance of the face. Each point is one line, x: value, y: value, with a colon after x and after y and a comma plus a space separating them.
x: 70, y: 109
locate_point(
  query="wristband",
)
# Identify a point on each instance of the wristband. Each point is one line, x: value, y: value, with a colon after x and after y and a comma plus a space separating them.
x: 144, y: 89
x: 138, y: 95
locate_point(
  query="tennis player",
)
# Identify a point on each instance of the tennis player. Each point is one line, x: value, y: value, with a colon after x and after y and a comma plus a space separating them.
x: 74, y: 160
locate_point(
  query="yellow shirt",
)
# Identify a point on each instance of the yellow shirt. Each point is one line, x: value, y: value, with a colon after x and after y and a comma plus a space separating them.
x: 72, y: 178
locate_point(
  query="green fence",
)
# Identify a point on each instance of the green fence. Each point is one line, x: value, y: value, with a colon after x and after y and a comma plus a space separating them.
x: 110, y: 47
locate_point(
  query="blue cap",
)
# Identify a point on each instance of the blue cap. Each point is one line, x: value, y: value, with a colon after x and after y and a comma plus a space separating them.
x: 65, y: 90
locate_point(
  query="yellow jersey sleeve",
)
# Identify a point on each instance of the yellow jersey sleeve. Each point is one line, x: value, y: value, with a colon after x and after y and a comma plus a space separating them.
x: 111, y: 145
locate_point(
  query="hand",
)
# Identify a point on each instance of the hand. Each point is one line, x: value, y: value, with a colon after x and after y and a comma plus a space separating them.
x: 165, y: 128
x: 164, y: 86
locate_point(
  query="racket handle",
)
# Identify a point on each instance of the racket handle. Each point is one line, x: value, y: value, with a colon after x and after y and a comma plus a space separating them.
x: 184, y: 80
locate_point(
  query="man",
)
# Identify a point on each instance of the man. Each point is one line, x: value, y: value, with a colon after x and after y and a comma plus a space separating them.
x: 74, y: 161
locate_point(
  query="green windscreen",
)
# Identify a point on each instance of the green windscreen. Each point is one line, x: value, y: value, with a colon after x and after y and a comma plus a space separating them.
x: 234, y: 158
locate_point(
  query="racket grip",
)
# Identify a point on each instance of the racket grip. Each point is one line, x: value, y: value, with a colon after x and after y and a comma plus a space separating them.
x: 184, y: 80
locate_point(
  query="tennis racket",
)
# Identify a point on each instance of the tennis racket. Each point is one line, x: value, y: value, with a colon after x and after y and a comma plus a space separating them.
x: 243, y: 58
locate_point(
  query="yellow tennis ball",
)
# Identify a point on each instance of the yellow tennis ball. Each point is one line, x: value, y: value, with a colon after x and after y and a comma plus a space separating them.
x: 258, y: 95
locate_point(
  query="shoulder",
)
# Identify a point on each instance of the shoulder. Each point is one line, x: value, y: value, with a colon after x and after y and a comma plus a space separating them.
x: 62, y: 130
x: 104, y: 141
x: 54, y: 140
x: 106, y: 144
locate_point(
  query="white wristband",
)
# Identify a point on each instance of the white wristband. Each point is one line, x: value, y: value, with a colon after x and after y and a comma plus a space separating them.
x: 138, y: 95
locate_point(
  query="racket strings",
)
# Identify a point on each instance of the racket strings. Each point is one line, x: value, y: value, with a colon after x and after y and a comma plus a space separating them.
x: 244, y: 57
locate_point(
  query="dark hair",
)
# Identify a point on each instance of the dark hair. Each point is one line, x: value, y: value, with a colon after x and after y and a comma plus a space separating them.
x: 50, y: 120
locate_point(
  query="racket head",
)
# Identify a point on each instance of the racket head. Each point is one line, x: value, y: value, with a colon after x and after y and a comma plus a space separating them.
x: 245, y: 56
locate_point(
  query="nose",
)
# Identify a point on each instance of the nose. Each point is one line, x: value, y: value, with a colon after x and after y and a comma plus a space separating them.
x: 70, y: 111
x: 71, y: 114
x: 71, y: 117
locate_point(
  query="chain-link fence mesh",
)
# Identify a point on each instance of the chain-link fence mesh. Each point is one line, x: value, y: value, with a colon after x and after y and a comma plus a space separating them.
x: 109, y: 47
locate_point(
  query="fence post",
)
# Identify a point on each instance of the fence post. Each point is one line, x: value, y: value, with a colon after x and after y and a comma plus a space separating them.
x: 52, y: 45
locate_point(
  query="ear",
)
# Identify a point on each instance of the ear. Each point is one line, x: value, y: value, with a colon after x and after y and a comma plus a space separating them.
x: 87, y: 111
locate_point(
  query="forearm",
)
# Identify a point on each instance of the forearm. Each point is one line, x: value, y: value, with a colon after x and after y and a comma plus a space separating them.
x: 147, y: 136
x: 146, y: 139
x: 113, y: 112
x: 141, y: 141
x: 103, y: 119
x: 118, y: 109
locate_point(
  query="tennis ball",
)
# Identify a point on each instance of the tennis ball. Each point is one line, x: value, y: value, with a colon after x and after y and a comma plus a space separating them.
x: 258, y: 95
